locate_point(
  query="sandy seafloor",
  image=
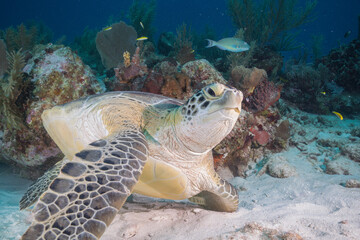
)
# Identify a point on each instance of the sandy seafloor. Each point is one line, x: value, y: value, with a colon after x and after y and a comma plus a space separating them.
x: 13, y: 222
x: 310, y: 205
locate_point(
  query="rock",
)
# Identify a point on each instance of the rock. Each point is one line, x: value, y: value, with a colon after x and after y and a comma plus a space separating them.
x: 355, y: 132
x: 153, y: 83
x: 246, y: 79
x: 130, y: 70
x: 57, y: 76
x: 352, y: 183
x: 253, y: 230
x: 279, y: 167
x: 261, y: 137
x: 283, y: 130
x: 265, y: 95
x: 225, y: 173
x: 343, y: 166
x: 202, y: 73
x: 352, y: 150
x: 167, y: 67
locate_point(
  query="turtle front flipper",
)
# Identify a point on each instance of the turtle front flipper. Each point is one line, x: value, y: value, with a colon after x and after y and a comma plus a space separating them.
x: 82, y: 201
x: 219, y: 195
x: 40, y: 185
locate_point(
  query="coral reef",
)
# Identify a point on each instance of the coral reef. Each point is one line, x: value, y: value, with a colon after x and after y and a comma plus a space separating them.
x: 13, y: 85
x: 270, y: 22
x: 265, y: 95
x: 177, y: 87
x: 3, y: 59
x: 85, y: 47
x: 148, y: 54
x: 166, y: 43
x: 260, y: 57
x: 246, y: 79
x: 128, y: 71
x: 268, y: 59
x: 283, y: 130
x: 201, y: 73
x: 26, y: 37
x: 111, y: 44
x: 344, y: 64
x: 126, y: 56
x: 183, y: 45
x: 164, y: 78
x: 57, y: 75
x: 251, y: 137
x: 304, y: 84
x: 261, y: 137
x: 282, y: 136
x: 143, y: 12
x: 167, y: 67
x: 314, y: 88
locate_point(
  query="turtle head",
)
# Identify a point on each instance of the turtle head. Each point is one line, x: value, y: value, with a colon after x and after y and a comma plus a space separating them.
x: 208, y: 116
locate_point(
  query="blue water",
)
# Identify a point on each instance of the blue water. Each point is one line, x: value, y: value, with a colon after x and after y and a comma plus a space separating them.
x: 12, y: 220
x: 70, y: 17
x: 333, y: 17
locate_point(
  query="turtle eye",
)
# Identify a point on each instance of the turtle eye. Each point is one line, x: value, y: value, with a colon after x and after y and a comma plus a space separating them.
x: 211, y: 92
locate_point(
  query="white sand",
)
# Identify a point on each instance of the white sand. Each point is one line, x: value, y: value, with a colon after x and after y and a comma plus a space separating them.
x: 311, y: 205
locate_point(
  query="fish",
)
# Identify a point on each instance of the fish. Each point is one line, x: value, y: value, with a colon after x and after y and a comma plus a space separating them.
x: 283, y: 80
x: 142, y: 25
x: 347, y: 34
x: 192, y: 51
x: 141, y: 38
x: 107, y: 28
x: 323, y: 93
x: 338, y: 114
x: 229, y: 44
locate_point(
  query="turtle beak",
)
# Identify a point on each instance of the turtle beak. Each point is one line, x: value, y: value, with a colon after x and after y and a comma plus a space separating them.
x: 237, y: 99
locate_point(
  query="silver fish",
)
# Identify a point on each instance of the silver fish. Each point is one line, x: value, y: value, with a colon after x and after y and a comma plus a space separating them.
x: 229, y: 44
x: 347, y: 34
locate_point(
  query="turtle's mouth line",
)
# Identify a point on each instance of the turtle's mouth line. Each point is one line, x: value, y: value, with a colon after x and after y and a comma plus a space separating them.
x: 236, y: 109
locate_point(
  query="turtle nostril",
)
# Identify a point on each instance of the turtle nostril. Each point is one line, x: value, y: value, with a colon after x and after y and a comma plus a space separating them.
x: 229, y: 86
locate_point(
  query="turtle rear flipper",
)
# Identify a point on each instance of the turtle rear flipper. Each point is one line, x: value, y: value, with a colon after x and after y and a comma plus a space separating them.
x: 219, y: 196
x: 82, y: 201
x: 40, y: 185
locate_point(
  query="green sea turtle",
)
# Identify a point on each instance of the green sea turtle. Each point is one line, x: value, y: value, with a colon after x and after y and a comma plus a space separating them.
x: 117, y: 143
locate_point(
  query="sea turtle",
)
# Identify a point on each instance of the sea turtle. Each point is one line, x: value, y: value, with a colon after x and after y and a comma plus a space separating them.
x: 117, y: 143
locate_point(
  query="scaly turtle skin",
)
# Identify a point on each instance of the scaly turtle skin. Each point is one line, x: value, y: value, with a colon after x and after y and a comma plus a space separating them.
x: 122, y: 142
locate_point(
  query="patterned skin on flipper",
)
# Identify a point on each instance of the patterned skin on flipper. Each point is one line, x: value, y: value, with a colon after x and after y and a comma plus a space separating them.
x: 40, y: 185
x: 83, y: 200
x: 223, y: 197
